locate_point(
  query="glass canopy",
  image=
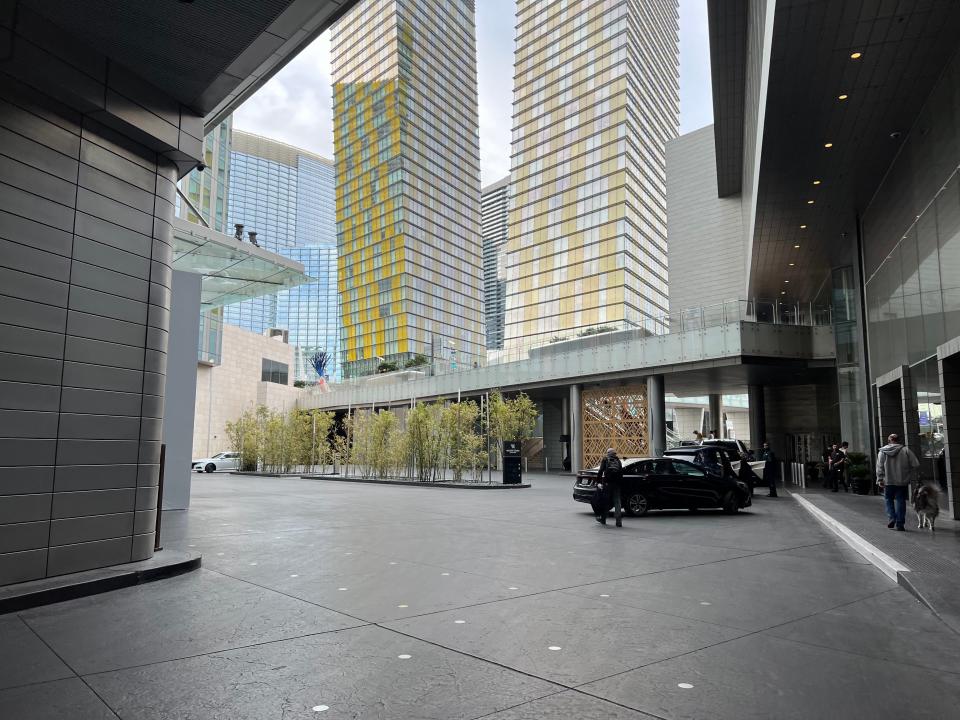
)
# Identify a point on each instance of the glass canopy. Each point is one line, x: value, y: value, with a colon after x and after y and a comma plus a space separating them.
x: 232, y: 270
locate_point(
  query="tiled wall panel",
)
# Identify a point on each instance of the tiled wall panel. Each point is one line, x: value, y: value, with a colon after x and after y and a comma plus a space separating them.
x: 85, y: 250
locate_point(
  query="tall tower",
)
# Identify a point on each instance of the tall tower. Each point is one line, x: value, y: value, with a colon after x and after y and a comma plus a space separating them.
x: 286, y: 196
x: 208, y: 190
x: 493, y: 208
x: 596, y: 97
x: 408, y: 183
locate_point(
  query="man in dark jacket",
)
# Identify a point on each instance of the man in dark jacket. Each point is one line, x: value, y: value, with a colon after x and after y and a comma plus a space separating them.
x: 771, y: 468
x: 609, y: 476
x: 896, y: 469
x: 838, y: 467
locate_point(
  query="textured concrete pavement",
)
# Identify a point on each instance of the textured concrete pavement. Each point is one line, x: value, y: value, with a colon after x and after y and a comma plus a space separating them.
x: 336, y: 600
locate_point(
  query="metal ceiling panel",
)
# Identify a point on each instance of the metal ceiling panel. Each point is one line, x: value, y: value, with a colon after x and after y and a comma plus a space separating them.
x: 207, y: 54
x: 904, y: 46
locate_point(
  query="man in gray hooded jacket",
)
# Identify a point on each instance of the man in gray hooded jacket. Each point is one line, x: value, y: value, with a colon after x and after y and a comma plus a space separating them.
x: 896, y: 469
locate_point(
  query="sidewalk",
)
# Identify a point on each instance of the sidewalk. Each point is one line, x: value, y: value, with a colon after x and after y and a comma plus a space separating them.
x: 933, y: 559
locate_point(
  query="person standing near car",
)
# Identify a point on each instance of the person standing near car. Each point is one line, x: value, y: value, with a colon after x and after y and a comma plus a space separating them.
x: 896, y: 468
x: 610, y: 475
x: 771, y: 468
x: 838, y: 468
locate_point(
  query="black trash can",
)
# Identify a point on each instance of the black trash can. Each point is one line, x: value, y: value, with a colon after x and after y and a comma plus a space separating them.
x: 512, y: 469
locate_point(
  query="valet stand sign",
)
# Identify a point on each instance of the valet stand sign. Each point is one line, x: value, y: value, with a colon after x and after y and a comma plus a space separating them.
x: 512, y: 467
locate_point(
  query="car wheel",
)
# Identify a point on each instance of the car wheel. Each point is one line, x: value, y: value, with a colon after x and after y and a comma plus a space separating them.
x: 731, y: 506
x: 210, y: 467
x: 636, y: 504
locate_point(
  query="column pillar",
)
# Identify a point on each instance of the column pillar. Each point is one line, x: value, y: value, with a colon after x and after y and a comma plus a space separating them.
x: 950, y: 394
x: 656, y: 416
x: 576, y: 429
x: 716, y: 414
x: 758, y: 420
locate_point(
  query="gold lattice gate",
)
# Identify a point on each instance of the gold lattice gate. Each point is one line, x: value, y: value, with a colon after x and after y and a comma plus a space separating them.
x: 614, y: 417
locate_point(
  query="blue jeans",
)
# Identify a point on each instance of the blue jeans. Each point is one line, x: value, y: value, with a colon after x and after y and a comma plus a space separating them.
x: 896, y: 493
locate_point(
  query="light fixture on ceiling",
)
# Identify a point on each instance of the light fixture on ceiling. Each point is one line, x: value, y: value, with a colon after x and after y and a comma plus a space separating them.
x: 828, y: 145
x: 786, y: 281
x: 816, y: 182
x: 783, y: 292
x: 796, y: 247
x: 792, y: 264
x: 803, y: 227
x: 809, y: 202
x: 842, y: 97
x: 856, y: 55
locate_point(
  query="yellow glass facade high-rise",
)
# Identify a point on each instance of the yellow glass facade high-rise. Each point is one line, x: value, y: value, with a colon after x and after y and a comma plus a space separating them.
x: 408, y: 183
x: 596, y: 97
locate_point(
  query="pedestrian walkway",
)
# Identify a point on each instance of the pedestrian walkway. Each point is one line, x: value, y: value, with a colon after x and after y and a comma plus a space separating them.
x: 933, y: 558
x: 340, y: 600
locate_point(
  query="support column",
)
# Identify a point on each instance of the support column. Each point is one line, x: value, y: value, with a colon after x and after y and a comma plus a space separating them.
x: 949, y: 366
x: 758, y: 419
x: 716, y: 414
x: 576, y: 429
x: 656, y: 416
x: 181, y: 388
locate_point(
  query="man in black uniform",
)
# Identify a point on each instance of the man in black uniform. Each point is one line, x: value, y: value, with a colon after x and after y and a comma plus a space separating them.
x: 609, y: 475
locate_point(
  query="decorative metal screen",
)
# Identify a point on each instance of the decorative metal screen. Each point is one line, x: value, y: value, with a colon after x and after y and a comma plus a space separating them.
x: 614, y: 417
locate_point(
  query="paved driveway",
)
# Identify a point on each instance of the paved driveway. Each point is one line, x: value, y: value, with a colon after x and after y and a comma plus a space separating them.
x: 333, y: 600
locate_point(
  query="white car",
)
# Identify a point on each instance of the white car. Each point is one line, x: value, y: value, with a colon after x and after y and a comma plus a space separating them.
x: 220, y: 461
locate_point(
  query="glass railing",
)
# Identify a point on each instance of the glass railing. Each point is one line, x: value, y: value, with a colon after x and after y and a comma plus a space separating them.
x: 771, y: 312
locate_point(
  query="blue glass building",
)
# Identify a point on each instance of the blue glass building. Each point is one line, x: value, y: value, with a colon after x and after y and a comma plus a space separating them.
x: 286, y: 196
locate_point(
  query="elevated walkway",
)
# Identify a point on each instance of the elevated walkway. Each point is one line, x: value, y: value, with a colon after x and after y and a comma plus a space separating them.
x: 732, y: 351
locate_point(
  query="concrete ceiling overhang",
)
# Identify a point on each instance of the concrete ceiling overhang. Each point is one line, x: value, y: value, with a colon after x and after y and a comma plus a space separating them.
x: 210, y: 55
x: 905, y: 47
x: 728, y: 57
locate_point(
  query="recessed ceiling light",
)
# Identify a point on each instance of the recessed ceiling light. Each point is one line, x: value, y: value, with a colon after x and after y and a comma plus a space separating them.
x: 856, y: 55
x: 792, y: 264
x: 816, y: 182
x: 796, y: 247
x: 803, y: 227
x: 828, y: 145
x: 783, y: 292
x: 809, y: 202
x: 842, y: 97
x: 786, y: 281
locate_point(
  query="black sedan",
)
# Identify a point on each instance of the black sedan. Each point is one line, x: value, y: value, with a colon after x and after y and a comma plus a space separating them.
x: 668, y: 484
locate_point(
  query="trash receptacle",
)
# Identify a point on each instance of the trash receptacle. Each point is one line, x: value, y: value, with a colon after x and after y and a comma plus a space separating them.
x: 512, y: 469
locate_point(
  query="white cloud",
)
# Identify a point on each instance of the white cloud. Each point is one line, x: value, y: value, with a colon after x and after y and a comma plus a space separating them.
x: 296, y: 105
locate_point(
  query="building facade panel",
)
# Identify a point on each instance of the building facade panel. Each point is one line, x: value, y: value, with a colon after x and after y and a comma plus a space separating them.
x: 595, y: 101
x: 82, y: 386
x: 706, y: 248
x: 286, y: 196
x: 408, y: 183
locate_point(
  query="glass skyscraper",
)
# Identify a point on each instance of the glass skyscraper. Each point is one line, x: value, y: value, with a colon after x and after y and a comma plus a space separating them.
x: 494, y: 204
x: 408, y: 183
x: 208, y: 189
x: 596, y: 97
x: 286, y: 196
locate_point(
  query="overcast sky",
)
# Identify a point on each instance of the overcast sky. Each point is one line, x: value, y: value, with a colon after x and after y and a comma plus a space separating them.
x: 295, y: 106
